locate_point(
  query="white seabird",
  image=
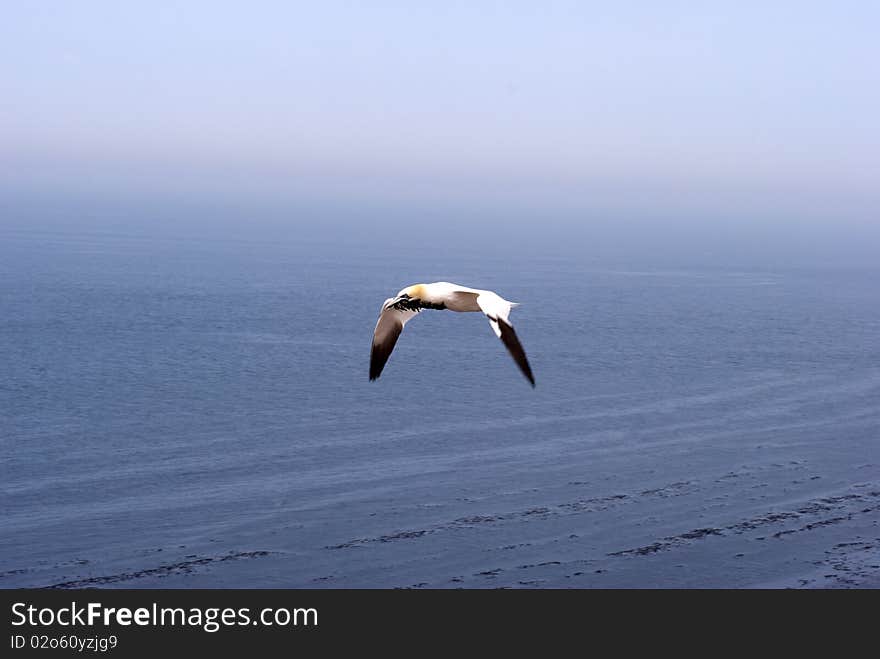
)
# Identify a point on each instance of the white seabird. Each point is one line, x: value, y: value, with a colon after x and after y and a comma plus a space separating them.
x: 409, y: 302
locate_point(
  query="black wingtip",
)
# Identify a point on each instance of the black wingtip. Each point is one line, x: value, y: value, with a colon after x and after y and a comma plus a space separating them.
x: 511, y: 342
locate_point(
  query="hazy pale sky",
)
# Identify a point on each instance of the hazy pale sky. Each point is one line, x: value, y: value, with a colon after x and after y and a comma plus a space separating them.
x: 770, y: 103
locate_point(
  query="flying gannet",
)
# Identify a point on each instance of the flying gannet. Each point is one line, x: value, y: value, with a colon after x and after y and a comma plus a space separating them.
x: 409, y: 302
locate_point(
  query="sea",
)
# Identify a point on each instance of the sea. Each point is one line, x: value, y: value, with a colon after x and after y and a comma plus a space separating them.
x: 186, y: 405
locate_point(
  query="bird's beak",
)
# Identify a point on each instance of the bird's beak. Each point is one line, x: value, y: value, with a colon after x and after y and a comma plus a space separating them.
x: 395, y: 300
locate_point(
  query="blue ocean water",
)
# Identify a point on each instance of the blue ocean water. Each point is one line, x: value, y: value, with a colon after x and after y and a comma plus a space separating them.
x: 194, y: 410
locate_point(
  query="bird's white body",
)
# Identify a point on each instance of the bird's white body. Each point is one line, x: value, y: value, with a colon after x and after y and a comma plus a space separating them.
x: 410, y: 301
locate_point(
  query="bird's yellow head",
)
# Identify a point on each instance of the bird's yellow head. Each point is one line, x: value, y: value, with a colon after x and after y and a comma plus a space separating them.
x: 416, y: 291
x: 407, y: 298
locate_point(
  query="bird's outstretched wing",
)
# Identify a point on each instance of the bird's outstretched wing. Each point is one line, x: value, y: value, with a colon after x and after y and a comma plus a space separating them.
x: 388, y: 328
x: 497, y: 310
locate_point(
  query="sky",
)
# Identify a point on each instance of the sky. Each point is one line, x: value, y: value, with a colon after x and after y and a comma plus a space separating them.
x: 766, y: 108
